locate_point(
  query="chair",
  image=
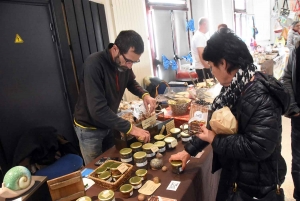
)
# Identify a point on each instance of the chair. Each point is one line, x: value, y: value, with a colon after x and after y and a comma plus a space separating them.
x: 67, y: 187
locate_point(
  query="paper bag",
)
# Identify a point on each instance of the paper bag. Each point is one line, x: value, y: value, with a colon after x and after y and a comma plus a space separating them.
x: 223, y: 122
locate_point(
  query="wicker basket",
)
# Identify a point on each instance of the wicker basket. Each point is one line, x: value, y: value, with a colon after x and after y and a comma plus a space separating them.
x: 180, y: 106
x: 112, y: 185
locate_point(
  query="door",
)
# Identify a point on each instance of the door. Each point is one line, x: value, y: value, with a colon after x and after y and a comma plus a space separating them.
x: 32, y: 86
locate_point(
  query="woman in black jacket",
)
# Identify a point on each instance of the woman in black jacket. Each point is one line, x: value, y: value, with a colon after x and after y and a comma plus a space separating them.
x: 250, y: 157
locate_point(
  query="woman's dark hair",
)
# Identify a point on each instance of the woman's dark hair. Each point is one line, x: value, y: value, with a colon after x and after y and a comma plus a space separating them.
x: 224, y: 44
x: 127, y: 39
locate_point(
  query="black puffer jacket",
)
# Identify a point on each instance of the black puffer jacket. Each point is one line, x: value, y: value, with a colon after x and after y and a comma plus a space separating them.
x: 254, y: 150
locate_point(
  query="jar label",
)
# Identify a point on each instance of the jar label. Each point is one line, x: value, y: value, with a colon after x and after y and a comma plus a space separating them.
x: 173, y: 143
x: 150, y: 155
x: 178, y: 136
x: 186, y: 139
x: 131, y: 193
x: 109, y: 179
x: 162, y: 149
x: 180, y: 169
x: 154, y: 148
x: 126, y: 160
x: 122, y: 168
x: 141, y: 164
x: 138, y: 186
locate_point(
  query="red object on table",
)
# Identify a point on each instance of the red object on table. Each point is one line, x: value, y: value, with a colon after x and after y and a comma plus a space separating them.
x: 178, y: 120
x: 186, y: 75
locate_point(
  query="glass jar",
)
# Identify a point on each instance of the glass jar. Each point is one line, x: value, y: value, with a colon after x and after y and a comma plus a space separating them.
x: 184, y: 127
x: 175, y: 132
x: 141, y: 173
x: 159, y: 137
x: 107, y: 164
x: 171, y: 142
x: 126, y: 190
x: 106, y: 176
x: 136, y: 182
x: 136, y: 146
x: 161, y: 146
x: 126, y: 155
x: 140, y: 159
x: 106, y: 195
x: 84, y: 198
x: 116, y: 177
x: 114, y: 169
x: 185, y: 136
x: 147, y: 149
x: 100, y: 170
x: 176, y: 166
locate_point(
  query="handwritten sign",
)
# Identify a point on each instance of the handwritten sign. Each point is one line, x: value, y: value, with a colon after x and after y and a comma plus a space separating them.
x: 122, y: 168
x: 149, y: 122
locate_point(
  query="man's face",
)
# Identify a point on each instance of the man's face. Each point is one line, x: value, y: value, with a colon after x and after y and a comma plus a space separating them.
x: 206, y: 25
x: 125, y: 61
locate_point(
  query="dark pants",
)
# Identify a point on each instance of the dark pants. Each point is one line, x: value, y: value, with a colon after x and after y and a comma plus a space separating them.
x: 296, y: 155
x: 203, y: 74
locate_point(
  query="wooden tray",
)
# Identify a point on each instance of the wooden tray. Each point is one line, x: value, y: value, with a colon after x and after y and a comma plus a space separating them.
x: 112, y: 185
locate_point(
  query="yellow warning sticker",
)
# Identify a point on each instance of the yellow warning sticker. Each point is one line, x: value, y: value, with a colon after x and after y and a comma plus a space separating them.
x: 18, y: 39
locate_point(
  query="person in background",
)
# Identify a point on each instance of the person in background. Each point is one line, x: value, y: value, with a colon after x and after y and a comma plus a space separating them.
x: 291, y: 80
x: 198, y: 44
x: 222, y: 26
x: 250, y: 157
x: 293, y: 35
x: 106, y: 76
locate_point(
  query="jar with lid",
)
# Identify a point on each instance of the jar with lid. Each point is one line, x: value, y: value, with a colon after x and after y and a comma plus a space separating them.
x: 171, y: 142
x: 126, y: 155
x: 176, y: 166
x: 106, y: 195
x: 84, y: 198
x: 161, y: 146
x: 100, y: 170
x: 184, y: 127
x: 114, y: 169
x: 126, y: 190
x: 136, y: 146
x: 106, y: 176
x: 107, y: 164
x: 140, y: 159
x: 185, y: 136
x: 141, y: 173
x: 175, y: 132
x: 136, y: 182
x: 147, y: 148
x: 159, y: 137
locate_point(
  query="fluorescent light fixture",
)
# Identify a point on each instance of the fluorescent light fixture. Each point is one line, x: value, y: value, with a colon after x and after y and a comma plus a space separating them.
x: 168, y: 1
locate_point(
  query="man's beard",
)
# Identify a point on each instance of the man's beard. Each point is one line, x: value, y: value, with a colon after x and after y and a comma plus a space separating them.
x: 118, y: 62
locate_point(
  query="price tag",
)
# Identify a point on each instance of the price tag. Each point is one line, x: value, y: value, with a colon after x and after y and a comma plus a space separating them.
x: 122, y: 168
x: 154, y: 149
x: 174, y: 143
x: 149, y: 122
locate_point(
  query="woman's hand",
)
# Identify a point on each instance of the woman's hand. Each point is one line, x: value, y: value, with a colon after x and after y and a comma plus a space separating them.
x: 206, y: 135
x: 181, y: 156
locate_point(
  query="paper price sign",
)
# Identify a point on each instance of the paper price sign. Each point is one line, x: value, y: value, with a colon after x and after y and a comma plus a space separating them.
x: 122, y: 168
x: 149, y: 122
x: 174, y: 143
x: 154, y: 149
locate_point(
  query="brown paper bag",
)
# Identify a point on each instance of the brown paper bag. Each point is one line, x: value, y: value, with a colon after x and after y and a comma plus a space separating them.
x: 223, y: 122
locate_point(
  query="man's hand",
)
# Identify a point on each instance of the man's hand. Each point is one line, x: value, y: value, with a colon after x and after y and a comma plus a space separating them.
x: 140, y: 134
x: 181, y: 156
x: 206, y: 135
x: 148, y: 100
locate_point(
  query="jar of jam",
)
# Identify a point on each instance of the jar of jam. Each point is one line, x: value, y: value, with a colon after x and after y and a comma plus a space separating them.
x: 185, y: 136
x: 175, y: 132
x: 114, y: 169
x: 141, y: 173
x: 171, y: 142
x: 126, y: 155
x: 147, y: 148
x: 136, y: 146
x: 159, y: 137
x: 140, y: 159
x: 100, y: 170
x: 176, y: 166
x: 84, y: 198
x: 116, y: 177
x: 126, y: 190
x: 106, y: 176
x: 136, y: 182
x: 106, y: 195
x: 161, y: 146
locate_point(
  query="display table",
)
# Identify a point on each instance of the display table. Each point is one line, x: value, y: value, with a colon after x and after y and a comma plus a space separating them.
x: 196, y: 181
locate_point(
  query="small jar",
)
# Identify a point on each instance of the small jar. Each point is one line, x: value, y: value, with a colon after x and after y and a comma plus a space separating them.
x: 184, y: 127
x: 136, y: 146
x: 114, y: 169
x: 116, y: 177
x: 126, y: 190
x: 176, y: 166
x: 136, y: 182
x: 106, y: 176
x: 161, y: 146
x: 159, y: 137
x: 126, y: 155
x: 140, y: 159
x: 106, y: 195
x: 100, y: 170
x: 141, y: 173
x: 147, y: 149
x: 171, y: 142
x: 84, y: 198
x: 185, y: 136
x: 175, y: 132
x: 107, y: 164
